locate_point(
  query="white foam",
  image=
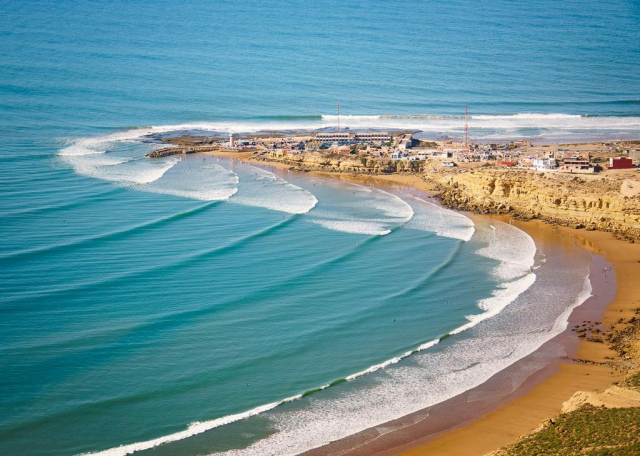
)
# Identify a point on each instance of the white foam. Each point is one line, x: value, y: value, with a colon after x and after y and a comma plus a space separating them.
x: 79, y: 150
x: 392, y: 361
x: 425, y: 122
x: 365, y: 210
x: 444, y: 222
x: 511, y: 246
x: 515, y: 250
x: 562, y: 321
x: 192, y: 179
x: 119, y: 158
x: 262, y: 188
x: 127, y: 170
x: 195, y: 428
x: 355, y: 226
x: 501, y: 297
x: 88, y: 162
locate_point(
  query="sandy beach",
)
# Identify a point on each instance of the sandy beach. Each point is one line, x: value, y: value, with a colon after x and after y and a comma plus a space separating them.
x: 541, y: 397
x: 506, y: 413
x: 544, y: 400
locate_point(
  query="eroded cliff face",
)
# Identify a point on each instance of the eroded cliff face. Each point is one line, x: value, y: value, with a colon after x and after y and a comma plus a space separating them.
x: 314, y: 161
x: 604, y: 202
x: 609, y: 201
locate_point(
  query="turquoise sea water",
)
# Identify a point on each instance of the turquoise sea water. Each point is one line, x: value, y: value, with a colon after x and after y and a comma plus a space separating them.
x: 139, y: 297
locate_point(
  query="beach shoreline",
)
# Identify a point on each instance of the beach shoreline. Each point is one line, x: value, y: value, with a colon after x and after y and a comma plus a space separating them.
x: 511, y: 412
x: 544, y: 400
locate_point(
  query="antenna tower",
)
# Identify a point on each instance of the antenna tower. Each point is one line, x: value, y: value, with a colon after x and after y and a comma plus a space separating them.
x: 466, y: 129
x: 338, y: 117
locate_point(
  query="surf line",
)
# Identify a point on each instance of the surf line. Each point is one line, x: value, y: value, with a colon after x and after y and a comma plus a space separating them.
x: 200, y: 427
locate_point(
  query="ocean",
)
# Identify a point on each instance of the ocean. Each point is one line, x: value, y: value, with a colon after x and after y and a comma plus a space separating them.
x: 214, y: 306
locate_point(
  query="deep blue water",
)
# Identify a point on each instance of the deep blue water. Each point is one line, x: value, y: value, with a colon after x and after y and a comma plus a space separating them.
x: 135, y: 298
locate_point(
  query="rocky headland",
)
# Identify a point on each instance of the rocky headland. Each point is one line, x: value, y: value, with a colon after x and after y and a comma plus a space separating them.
x: 608, y: 201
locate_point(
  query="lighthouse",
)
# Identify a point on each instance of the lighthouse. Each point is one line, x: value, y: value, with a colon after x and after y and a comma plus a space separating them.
x: 232, y: 142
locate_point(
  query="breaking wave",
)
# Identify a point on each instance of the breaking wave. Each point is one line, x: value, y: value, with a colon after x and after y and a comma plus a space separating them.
x: 480, y: 125
x: 368, y: 210
x: 261, y: 188
x: 298, y: 433
x: 444, y: 222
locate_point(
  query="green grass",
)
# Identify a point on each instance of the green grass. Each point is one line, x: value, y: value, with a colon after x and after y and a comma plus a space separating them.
x: 587, y: 431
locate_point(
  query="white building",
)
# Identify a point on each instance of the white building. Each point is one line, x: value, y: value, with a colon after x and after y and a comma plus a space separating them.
x: 405, y: 142
x: 348, y: 136
x: 545, y: 164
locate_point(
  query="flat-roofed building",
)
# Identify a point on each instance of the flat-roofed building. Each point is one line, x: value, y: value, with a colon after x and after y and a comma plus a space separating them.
x: 545, y: 164
x: 334, y: 136
x: 348, y: 136
x: 580, y: 164
x: 576, y: 161
x: 373, y: 136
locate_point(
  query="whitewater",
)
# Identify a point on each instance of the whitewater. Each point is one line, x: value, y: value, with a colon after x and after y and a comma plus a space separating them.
x: 351, y: 208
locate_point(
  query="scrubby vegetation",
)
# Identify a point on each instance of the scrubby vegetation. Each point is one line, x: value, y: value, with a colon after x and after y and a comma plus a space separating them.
x: 587, y: 431
x: 592, y: 430
x: 632, y: 382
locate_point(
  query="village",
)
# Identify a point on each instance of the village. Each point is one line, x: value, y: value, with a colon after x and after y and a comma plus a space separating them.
x: 585, y: 158
x: 407, y: 146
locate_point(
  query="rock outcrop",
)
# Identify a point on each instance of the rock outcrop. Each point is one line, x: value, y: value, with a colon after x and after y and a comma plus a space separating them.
x: 590, y: 202
x: 315, y: 161
x: 612, y: 397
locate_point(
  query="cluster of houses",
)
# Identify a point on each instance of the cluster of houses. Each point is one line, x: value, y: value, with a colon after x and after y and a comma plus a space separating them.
x: 574, y: 163
x: 403, y: 146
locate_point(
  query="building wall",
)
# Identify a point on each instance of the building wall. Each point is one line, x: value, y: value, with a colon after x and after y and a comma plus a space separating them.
x: 620, y: 163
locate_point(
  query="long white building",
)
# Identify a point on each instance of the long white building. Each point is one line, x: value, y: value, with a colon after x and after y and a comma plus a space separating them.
x: 353, y: 136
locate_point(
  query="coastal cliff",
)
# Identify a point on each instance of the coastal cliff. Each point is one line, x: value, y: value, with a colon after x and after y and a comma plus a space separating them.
x: 315, y: 161
x: 595, y: 422
x: 607, y: 202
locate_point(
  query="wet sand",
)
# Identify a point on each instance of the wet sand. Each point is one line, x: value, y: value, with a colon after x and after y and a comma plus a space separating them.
x: 527, y: 412
x: 519, y: 399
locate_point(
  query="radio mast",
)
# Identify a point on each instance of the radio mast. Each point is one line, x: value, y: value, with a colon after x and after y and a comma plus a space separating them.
x: 338, y: 117
x: 466, y: 129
